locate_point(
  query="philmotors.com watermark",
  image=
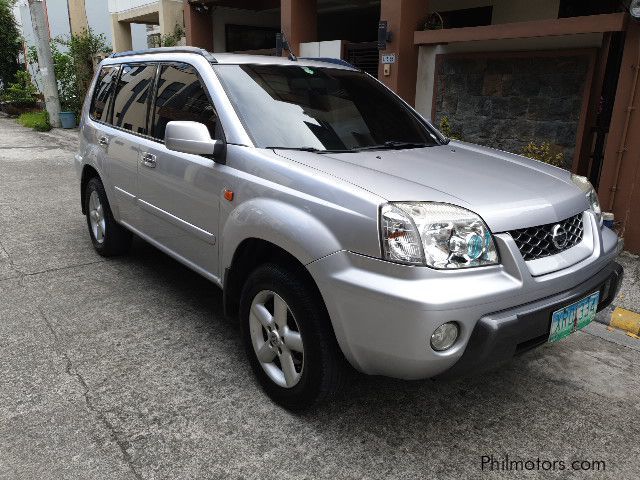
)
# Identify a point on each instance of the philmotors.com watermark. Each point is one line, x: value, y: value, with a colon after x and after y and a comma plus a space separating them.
x: 504, y: 463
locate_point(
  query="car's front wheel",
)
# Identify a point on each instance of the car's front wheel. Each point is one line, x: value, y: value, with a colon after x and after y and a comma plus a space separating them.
x: 288, y: 337
x: 108, y: 237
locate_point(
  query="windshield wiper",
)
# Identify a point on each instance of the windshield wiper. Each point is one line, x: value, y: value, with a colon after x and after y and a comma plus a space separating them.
x: 392, y: 145
x: 308, y: 149
x: 389, y: 145
x: 300, y: 149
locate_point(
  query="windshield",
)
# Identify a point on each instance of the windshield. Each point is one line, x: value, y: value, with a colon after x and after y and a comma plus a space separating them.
x: 324, y: 109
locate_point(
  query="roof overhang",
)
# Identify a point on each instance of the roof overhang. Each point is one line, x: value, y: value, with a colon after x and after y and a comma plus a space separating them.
x: 256, y: 5
x: 613, y: 22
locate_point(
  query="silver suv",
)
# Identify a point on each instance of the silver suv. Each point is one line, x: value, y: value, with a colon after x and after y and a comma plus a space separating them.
x: 342, y: 226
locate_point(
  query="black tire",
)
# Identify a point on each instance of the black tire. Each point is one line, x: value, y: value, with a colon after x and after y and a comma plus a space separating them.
x: 117, y: 239
x: 324, y: 365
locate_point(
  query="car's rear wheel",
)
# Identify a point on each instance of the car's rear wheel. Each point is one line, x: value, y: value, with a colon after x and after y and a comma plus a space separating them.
x: 288, y: 337
x: 108, y: 237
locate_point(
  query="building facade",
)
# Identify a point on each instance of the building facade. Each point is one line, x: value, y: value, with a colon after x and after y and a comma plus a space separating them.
x: 73, y: 16
x: 65, y: 17
x: 504, y: 73
x: 160, y: 19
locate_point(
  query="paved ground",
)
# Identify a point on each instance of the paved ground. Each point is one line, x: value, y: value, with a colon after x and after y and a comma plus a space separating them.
x: 126, y: 369
x: 629, y: 296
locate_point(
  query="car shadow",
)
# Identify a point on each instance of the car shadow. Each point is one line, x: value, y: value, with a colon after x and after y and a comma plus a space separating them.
x: 378, y: 396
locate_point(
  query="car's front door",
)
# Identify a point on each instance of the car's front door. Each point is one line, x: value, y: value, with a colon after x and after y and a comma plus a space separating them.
x: 179, y: 193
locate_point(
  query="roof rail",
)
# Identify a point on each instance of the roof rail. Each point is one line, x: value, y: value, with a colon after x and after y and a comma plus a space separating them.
x: 151, y: 51
x: 336, y: 61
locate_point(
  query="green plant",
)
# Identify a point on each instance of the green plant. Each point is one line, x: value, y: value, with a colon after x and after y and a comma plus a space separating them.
x: 544, y: 152
x: 22, y: 92
x: 10, y: 43
x: 39, y: 121
x: 68, y: 89
x: 74, y: 70
x: 32, y: 54
x: 434, y: 22
x: 169, y: 39
x: 447, y: 130
x: 66, y: 77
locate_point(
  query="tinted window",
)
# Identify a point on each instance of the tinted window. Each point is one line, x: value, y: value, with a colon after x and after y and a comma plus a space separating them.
x: 105, y: 86
x: 320, y: 108
x: 181, y: 96
x: 130, y: 107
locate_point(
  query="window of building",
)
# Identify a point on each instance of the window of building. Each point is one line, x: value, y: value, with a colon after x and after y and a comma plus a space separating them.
x: 579, y: 8
x: 181, y: 96
x: 466, y: 17
x: 130, y: 106
x: 352, y: 25
x: 241, y: 38
x: 105, y: 86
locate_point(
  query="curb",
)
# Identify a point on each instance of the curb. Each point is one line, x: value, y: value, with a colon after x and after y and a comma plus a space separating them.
x: 622, y: 319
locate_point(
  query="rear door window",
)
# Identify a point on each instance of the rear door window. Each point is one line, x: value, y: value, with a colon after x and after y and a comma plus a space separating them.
x: 132, y: 97
x: 181, y: 96
x: 105, y: 87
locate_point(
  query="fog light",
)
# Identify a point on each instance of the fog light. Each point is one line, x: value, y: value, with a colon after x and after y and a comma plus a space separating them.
x: 444, y: 336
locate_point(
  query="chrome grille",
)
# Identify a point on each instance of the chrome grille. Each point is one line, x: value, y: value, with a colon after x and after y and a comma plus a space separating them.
x: 536, y: 242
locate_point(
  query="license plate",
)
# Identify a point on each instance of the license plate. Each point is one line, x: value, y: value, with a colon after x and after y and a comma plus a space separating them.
x: 573, y: 317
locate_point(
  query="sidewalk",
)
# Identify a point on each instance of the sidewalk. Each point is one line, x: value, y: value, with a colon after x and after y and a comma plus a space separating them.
x: 59, y: 136
x: 624, y: 312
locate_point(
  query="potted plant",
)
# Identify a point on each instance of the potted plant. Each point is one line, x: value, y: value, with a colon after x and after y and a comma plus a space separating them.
x: 67, y: 87
x: 67, y: 116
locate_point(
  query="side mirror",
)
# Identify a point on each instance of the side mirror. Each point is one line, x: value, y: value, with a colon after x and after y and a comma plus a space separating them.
x: 194, y: 138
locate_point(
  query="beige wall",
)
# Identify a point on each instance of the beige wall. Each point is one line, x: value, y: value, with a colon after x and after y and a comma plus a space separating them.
x: 121, y: 35
x: 170, y: 15
x: 165, y: 13
x: 77, y: 16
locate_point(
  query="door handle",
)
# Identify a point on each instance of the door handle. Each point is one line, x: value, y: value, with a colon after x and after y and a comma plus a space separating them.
x: 103, y: 141
x: 149, y: 160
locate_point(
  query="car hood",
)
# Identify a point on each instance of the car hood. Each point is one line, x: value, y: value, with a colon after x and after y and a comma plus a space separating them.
x: 508, y: 191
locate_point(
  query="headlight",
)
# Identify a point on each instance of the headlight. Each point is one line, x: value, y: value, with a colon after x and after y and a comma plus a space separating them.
x: 437, y: 235
x: 590, y: 192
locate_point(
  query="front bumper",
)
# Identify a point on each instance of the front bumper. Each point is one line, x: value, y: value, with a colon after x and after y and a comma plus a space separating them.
x: 383, y: 314
x: 497, y: 337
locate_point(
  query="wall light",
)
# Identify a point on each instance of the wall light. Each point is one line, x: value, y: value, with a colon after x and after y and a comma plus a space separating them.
x: 634, y: 9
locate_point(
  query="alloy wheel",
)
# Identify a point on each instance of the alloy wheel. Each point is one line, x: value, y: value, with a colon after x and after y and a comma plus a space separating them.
x: 96, y: 217
x: 276, y: 339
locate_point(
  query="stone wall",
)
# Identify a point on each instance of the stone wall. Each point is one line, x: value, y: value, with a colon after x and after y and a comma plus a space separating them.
x: 506, y: 101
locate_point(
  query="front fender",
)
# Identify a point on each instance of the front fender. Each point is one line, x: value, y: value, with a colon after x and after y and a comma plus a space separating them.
x: 290, y: 228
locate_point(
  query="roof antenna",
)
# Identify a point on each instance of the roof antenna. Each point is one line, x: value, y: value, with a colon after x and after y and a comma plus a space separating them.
x: 283, y: 45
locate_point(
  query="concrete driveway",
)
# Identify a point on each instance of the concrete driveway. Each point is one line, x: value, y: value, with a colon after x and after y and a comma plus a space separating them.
x: 127, y: 369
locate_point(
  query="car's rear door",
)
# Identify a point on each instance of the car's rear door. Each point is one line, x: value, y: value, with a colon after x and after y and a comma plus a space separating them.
x: 179, y: 193
x: 97, y: 131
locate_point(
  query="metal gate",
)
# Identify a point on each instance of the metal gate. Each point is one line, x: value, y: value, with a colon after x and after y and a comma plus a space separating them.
x: 364, y: 56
